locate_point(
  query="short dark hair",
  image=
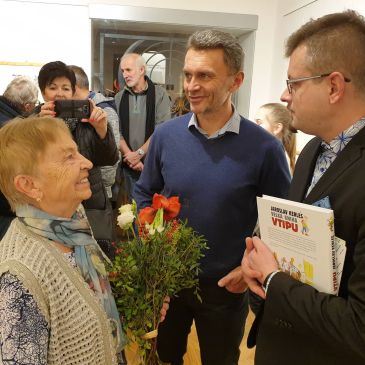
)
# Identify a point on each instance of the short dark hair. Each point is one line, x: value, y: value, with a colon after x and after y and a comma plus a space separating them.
x: 51, y: 71
x: 334, y: 42
x: 82, y: 81
x: 216, y: 39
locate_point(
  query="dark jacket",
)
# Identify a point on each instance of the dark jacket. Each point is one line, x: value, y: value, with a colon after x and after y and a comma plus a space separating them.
x: 301, y: 325
x: 98, y: 208
x: 7, y: 111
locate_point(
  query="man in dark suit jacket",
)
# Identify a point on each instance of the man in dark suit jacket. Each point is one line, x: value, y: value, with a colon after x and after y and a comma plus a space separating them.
x: 326, y: 95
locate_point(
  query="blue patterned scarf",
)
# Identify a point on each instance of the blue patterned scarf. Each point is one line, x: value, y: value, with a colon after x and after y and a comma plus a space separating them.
x: 75, y: 233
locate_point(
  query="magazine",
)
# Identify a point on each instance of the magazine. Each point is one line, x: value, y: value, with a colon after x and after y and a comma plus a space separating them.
x: 303, y: 240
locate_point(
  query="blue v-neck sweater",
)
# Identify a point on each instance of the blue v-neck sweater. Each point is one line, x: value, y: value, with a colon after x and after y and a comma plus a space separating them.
x: 217, y: 181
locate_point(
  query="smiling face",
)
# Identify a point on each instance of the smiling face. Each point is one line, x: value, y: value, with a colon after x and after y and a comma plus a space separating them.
x: 62, y: 178
x: 208, y: 82
x: 59, y: 89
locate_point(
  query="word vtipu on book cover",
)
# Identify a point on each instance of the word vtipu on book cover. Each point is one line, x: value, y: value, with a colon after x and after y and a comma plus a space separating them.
x: 303, y: 240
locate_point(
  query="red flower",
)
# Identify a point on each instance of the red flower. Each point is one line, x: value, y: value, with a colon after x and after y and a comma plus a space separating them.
x: 173, y: 209
x: 159, y: 201
x: 146, y: 215
x: 171, y: 206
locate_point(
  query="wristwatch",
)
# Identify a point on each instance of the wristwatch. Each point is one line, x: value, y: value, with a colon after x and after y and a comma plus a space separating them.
x: 140, y: 152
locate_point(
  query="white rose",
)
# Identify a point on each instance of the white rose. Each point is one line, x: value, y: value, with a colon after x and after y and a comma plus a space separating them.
x: 125, y: 208
x: 125, y: 219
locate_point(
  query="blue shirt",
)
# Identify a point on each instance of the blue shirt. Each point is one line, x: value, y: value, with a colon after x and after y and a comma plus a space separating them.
x: 217, y: 181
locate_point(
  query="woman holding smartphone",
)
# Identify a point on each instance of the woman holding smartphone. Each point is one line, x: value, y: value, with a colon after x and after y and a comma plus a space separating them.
x: 94, y: 139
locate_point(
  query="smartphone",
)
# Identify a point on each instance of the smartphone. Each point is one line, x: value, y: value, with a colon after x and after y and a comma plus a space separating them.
x: 79, y: 109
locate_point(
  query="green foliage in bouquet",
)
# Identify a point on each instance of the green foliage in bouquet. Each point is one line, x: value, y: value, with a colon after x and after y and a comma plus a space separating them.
x: 157, y: 263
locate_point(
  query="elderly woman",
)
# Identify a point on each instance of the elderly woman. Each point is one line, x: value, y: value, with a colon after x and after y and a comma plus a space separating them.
x: 56, y: 305
x: 95, y: 140
x: 19, y: 99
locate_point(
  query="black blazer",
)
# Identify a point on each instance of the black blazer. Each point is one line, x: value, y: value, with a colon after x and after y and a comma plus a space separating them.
x: 299, y: 325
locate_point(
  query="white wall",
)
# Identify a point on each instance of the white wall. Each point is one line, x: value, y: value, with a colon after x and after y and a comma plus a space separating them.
x: 36, y: 33
x: 39, y: 32
x: 291, y: 15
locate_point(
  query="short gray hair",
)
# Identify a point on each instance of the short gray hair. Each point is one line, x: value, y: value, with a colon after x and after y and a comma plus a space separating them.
x: 21, y: 91
x: 216, y: 39
x: 139, y: 60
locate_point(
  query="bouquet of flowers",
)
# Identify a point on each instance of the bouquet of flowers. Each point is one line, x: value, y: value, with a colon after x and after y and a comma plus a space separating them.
x: 156, y: 262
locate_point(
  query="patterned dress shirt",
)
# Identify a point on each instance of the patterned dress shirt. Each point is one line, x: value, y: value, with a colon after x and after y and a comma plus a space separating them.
x: 329, y: 151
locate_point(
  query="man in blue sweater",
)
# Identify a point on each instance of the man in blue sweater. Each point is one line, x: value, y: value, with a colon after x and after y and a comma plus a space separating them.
x: 217, y: 162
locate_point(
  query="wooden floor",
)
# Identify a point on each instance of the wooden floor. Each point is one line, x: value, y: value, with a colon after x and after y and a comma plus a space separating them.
x: 192, y: 357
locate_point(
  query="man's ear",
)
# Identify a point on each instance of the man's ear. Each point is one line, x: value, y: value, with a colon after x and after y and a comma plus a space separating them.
x: 28, y: 107
x: 25, y: 184
x: 237, y: 81
x: 337, y: 87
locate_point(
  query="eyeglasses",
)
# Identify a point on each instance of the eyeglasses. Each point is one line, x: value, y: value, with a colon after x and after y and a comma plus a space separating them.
x: 289, y: 82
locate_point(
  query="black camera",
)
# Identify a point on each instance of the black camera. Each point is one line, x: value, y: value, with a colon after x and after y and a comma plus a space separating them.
x: 79, y: 109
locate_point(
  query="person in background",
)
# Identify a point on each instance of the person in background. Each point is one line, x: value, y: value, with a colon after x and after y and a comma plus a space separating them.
x: 277, y: 120
x: 19, y: 99
x: 141, y: 105
x: 181, y: 106
x: 95, y: 140
x: 326, y: 95
x: 216, y: 162
x: 108, y: 105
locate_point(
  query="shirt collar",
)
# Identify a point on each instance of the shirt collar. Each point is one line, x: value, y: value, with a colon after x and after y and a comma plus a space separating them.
x: 232, y: 125
x: 340, y: 142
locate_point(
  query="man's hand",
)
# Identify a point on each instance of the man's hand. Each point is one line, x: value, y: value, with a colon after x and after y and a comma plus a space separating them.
x: 251, y: 276
x: 138, y: 167
x: 234, y: 281
x: 258, y: 262
x: 164, y: 309
x: 262, y: 259
x: 132, y: 158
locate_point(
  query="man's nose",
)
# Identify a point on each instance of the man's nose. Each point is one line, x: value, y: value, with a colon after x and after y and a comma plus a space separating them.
x: 193, y: 84
x: 285, y: 96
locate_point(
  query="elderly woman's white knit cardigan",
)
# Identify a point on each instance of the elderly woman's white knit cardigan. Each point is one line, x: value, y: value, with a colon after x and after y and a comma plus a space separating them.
x: 79, y: 328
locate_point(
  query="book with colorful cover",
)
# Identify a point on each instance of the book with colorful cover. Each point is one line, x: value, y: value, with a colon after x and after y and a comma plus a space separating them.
x: 303, y: 240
